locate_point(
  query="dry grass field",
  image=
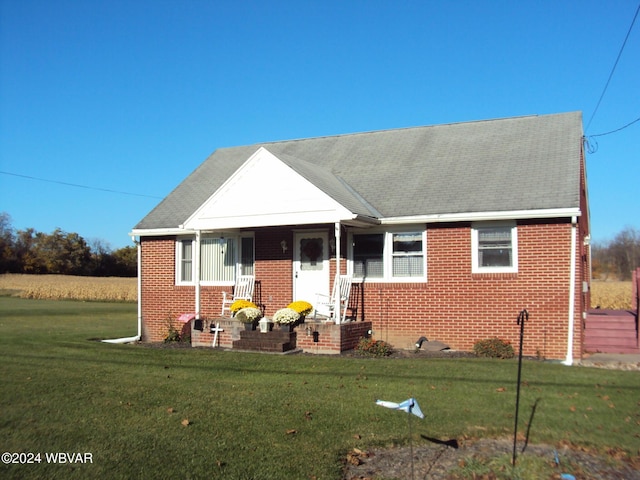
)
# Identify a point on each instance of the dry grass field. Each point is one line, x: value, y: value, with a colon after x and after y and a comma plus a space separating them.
x: 606, y: 294
x: 67, y: 287
x: 611, y: 295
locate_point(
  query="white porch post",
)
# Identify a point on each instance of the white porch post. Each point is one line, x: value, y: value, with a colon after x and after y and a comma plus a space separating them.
x: 336, y: 306
x: 196, y: 272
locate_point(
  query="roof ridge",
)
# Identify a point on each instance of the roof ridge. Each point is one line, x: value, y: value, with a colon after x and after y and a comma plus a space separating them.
x: 415, y: 127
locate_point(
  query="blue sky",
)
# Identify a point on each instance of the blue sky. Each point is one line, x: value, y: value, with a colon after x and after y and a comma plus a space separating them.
x: 128, y: 97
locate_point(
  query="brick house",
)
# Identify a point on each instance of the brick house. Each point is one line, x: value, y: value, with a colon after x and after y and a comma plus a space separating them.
x: 449, y: 232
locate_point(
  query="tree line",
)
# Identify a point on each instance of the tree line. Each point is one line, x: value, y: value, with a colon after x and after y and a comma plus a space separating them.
x: 617, y: 258
x: 59, y: 252
x: 30, y: 251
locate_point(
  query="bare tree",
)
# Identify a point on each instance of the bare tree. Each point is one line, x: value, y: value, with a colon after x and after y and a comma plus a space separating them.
x: 625, y: 252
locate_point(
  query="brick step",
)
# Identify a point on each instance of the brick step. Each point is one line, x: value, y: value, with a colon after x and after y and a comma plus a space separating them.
x: 263, y: 346
x: 275, y: 341
x: 274, y: 335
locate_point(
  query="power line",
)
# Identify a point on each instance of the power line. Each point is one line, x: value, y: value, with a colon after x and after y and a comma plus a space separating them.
x: 29, y: 177
x: 616, y: 130
x: 592, y: 145
x: 613, y: 69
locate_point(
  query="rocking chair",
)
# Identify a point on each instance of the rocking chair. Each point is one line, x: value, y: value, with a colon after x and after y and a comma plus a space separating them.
x: 243, y: 289
x: 341, y: 290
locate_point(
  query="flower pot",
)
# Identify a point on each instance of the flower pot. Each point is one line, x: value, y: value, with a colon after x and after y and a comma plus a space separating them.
x: 285, y: 327
x: 250, y: 326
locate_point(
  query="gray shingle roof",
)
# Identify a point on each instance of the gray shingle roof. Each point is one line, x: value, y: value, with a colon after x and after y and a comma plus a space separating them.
x: 521, y: 163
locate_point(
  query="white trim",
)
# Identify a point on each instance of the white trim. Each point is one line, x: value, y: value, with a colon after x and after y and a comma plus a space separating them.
x: 408, y: 220
x: 160, y: 232
x: 572, y: 293
x: 484, y: 216
x: 475, y: 267
x: 195, y: 254
x: 178, y: 260
x: 336, y: 300
x: 139, y: 287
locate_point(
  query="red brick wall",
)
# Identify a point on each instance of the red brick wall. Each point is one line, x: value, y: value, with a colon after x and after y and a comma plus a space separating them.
x: 274, y: 269
x: 454, y: 306
x: 459, y: 308
x: 331, y: 338
x: 162, y: 300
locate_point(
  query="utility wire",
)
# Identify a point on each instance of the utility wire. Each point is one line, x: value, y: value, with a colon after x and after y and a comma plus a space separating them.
x: 614, y: 68
x: 591, y: 145
x: 616, y: 130
x: 78, y: 185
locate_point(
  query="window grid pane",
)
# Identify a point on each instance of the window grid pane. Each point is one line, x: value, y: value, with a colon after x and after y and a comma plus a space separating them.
x: 408, y: 266
x: 407, y: 242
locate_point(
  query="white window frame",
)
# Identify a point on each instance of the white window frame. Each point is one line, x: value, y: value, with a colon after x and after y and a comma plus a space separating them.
x: 179, y: 260
x: 388, y: 255
x: 475, y: 260
x: 236, y: 238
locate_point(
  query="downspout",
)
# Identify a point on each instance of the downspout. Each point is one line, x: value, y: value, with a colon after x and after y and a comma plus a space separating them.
x: 572, y: 293
x: 196, y: 272
x: 139, y: 287
x: 336, y: 306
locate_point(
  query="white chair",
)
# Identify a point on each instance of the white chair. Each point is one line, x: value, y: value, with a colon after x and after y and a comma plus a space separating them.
x: 326, y: 305
x: 243, y: 289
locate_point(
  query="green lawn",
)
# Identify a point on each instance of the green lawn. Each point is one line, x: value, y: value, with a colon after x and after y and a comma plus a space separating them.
x: 257, y: 416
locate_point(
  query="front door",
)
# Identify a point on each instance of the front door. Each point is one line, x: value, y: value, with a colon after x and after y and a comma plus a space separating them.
x: 310, y: 266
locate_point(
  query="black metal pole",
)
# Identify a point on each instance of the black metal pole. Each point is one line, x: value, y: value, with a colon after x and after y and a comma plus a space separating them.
x: 410, y: 437
x: 522, y: 317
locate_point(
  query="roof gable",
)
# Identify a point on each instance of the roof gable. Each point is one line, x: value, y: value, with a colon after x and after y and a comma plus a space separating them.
x: 266, y: 191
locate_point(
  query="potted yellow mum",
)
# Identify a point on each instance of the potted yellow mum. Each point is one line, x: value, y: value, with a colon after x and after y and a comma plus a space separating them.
x: 247, y: 313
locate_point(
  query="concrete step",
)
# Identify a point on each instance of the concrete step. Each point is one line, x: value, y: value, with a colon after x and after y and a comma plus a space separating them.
x: 611, y: 349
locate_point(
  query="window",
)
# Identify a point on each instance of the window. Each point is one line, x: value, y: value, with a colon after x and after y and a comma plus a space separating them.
x: 368, y: 255
x: 494, y: 248
x: 217, y: 260
x: 247, y: 256
x: 389, y: 255
x: 220, y: 259
x: 185, y: 259
x: 408, y: 260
